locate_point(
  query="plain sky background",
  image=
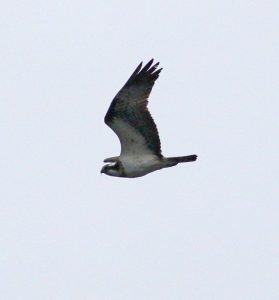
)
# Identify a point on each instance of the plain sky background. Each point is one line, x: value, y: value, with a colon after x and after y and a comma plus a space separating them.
x: 200, y: 231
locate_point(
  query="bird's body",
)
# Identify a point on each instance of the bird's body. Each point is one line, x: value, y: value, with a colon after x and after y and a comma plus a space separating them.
x: 131, y: 166
x: 130, y: 119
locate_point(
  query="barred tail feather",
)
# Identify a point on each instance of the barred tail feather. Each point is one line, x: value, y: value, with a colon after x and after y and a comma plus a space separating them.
x: 172, y: 161
x: 182, y: 159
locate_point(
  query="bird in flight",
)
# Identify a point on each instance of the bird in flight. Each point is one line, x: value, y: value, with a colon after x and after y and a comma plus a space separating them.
x: 130, y: 119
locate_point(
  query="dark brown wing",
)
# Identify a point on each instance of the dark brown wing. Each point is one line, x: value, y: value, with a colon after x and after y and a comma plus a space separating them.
x: 128, y: 115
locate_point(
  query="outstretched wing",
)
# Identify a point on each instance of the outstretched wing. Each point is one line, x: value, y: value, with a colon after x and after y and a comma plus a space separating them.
x: 129, y: 117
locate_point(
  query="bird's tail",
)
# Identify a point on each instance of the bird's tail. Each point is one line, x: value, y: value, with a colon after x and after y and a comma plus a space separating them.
x: 172, y: 161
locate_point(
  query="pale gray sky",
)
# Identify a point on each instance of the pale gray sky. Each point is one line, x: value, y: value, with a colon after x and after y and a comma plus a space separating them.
x: 201, y: 231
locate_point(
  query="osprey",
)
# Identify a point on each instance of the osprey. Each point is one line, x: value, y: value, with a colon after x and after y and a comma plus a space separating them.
x: 130, y: 119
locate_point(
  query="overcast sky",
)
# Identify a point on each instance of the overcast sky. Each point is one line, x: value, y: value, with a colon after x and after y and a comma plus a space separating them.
x: 200, y: 231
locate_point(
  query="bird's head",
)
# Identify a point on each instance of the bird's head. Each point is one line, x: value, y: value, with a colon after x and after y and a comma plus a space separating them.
x: 114, y: 169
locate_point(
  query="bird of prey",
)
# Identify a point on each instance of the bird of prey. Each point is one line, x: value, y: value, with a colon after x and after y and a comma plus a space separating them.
x: 130, y: 119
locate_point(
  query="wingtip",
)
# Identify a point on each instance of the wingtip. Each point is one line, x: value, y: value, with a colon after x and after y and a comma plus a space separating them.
x: 151, y: 63
x: 156, y: 65
x: 150, y: 68
x: 140, y: 65
x: 147, y: 66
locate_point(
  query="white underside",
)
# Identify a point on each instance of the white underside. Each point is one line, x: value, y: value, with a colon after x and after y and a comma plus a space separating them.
x: 136, y: 166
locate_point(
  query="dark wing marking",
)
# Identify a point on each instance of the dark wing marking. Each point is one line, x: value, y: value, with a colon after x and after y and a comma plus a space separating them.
x: 129, y: 107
